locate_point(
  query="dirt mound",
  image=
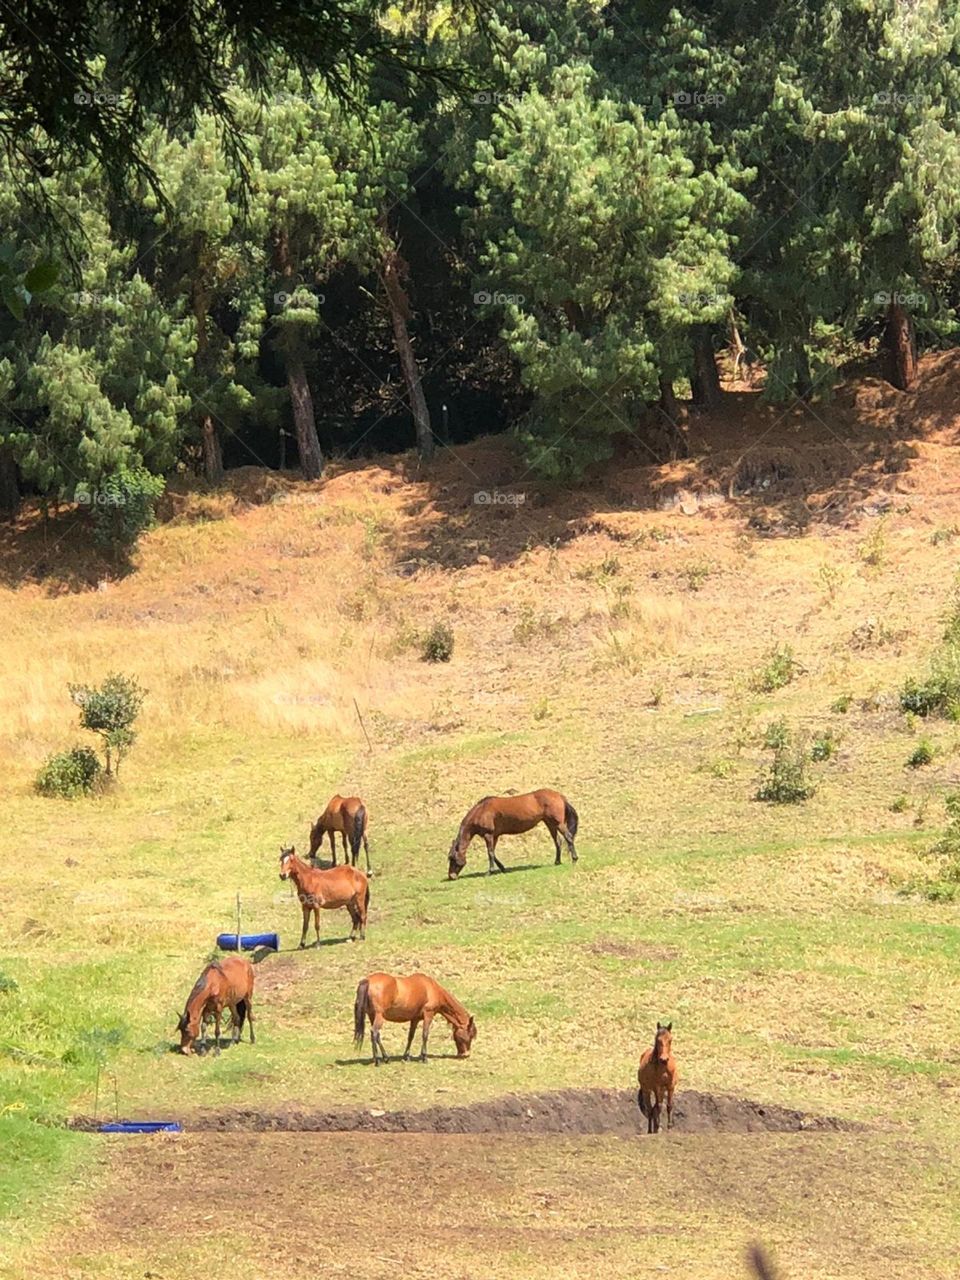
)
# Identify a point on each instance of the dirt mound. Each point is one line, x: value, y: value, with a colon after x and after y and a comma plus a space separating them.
x: 567, y: 1111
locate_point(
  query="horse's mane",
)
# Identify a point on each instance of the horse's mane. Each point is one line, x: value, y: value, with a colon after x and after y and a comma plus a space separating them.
x: 201, y: 982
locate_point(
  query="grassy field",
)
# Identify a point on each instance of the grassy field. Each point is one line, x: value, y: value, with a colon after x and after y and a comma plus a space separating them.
x: 774, y: 937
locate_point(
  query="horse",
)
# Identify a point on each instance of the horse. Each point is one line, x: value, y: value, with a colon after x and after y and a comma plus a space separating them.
x: 381, y: 996
x: 657, y: 1077
x: 226, y: 983
x: 336, y: 887
x: 496, y: 816
x: 348, y: 815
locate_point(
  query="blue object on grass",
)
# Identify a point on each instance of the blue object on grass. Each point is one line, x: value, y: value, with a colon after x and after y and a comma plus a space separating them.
x: 248, y: 941
x: 142, y: 1126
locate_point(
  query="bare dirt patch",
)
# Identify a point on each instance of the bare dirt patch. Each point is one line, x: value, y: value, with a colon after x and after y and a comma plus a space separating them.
x: 566, y: 1111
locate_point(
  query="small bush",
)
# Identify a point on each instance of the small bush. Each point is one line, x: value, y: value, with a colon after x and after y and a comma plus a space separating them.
x: 437, y: 644
x: 779, y: 668
x: 110, y: 711
x: 69, y: 773
x: 944, y: 886
x: 824, y: 746
x: 786, y: 781
x: 8, y: 984
x: 842, y: 704
x: 873, y: 549
x: 900, y: 805
x: 123, y: 506
x: 922, y: 754
x: 944, y: 534
x: 776, y: 735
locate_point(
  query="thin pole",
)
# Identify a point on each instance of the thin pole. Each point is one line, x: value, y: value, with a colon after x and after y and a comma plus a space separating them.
x: 362, y: 725
x: 238, y: 919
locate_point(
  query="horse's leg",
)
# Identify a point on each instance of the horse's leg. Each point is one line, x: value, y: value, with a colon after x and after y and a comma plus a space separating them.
x: 216, y: 1032
x: 375, y: 1028
x: 670, y: 1105
x: 414, y: 1023
x: 570, y: 845
x: 316, y: 922
x: 305, y: 907
x: 427, y: 1019
x: 346, y: 851
x: 253, y: 1039
x: 366, y: 850
x: 236, y: 1023
x: 553, y: 827
x: 333, y: 846
x: 354, y: 912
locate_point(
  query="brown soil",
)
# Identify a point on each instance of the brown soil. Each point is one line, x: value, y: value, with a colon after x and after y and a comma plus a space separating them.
x: 567, y: 1111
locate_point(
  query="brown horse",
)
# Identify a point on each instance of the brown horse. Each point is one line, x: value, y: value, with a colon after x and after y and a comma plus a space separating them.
x: 657, y: 1077
x: 225, y: 984
x: 496, y: 816
x: 416, y: 999
x: 327, y: 890
x: 348, y: 815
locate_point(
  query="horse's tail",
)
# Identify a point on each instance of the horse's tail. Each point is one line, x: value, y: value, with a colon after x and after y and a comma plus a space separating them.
x: 570, y: 819
x: 242, y: 1008
x: 356, y: 836
x: 360, y: 1013
x: 366, y: 899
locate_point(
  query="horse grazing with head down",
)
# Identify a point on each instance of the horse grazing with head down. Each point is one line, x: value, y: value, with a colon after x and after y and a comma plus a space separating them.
x: 327, y: 890
x: 348, y: 815
x: 225, y: 984
x: 496, y: 816
x: 416, y: 999
x: 657, y: 1077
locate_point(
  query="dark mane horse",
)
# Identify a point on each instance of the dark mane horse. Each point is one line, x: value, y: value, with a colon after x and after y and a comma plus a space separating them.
x: 496, y: 816
x: 657, y: 1077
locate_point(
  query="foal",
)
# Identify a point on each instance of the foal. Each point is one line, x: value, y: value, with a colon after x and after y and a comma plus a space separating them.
x: 416, y: 999
x: 327, y: 890
x: 657, y: 1077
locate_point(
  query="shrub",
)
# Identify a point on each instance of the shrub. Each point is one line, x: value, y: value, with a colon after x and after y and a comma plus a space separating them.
x: 69, y: 773
x: 437, y: 644
x: 923, y: 753
x: 110, y: 711
x: 939, y: 692
x: 785, y: 781
x: 842, y: 704
x: 776, y: 734
x: 7, y: 983
x: 123, y: 506
x: 900, y: 804
x: 944, y: 886
x: 824, y: 746
x: 779, y: 668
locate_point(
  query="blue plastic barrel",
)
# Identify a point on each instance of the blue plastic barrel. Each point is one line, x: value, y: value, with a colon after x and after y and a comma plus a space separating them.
x: 248, y: 941
x: 143, y: 1126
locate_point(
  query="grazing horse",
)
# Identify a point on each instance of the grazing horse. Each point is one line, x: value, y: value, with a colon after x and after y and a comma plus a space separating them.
x: 415, y: 999
x: 657, y: 1077
x: 348, y: 815
x: 225, y: 984
x: 496, y: 816
x: 330, y: 889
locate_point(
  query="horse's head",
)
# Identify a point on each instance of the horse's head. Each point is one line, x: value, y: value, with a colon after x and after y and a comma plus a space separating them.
x: 286, y: 857
x: 464, y: 1037
x: 457, y: 860
x: 316, y: 838
x: 188, y: 1032
x: 663, y: 1043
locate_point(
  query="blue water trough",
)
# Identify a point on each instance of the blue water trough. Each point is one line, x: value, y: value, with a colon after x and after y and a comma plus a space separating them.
x: 248, y: 941
x: 142, y: 1126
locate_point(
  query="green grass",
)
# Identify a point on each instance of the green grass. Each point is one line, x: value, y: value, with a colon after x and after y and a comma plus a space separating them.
x: 774, y: 940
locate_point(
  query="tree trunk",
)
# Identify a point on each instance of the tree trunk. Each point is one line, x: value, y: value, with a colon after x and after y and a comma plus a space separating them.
x: 668, y: 400
x: 212, y: 453
x: 304, y: 419
x: 900, y: 349
x: 803, y: 376
x: 9, y: 484
x: 706, y: 377
x: 394, y: 270
x: 209, y: 440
